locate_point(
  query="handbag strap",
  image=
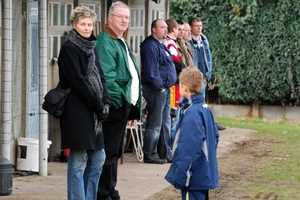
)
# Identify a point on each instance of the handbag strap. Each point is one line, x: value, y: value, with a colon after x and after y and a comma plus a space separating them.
x: 59, y: 88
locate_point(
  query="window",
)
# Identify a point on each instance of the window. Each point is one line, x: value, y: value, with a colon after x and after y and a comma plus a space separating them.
x: 135, y: 41
x: 62, y: 15
x: 98, y: 12
x: 142, y: 18
x: 137, y: 13
x: 55, y: 46
x: 59, y: 13
x: 156, y: 14
x: 55, y: 14
x: 137, y: 18
x: 63, y: 39
x: 69, y: 10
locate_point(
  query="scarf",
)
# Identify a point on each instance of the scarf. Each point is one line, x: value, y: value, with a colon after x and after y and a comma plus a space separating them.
x: 93, y: 75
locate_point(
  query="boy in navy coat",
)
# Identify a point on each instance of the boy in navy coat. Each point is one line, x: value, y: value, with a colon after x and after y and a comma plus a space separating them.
x: 194, y: 169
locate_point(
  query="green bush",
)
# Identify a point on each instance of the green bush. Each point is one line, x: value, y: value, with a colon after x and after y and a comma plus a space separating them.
x: 255, y: 47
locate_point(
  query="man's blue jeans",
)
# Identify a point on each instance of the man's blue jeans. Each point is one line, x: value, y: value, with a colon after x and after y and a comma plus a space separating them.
x: 157, y: 141
x: 83, y: 184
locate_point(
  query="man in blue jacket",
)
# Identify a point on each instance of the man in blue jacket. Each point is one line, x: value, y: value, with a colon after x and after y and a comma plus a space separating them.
x: 201, y: 53
x: 158, y: 74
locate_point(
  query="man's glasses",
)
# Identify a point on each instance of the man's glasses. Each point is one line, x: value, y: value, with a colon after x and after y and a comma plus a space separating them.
x: 122, y: 16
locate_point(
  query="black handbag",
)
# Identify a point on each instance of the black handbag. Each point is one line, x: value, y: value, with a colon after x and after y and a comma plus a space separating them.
x: 55, y: 100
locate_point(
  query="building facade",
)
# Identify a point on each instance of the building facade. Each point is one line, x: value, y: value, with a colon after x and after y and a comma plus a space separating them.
x: 32, y: 31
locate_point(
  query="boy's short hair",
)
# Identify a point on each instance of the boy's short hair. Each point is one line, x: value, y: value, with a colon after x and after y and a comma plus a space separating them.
x: 192, y: 78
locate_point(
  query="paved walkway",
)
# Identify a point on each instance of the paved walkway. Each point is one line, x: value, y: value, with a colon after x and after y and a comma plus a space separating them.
x: 137, y: 181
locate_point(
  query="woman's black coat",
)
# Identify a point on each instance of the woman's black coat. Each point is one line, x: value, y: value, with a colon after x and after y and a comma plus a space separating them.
x: 77, y: 121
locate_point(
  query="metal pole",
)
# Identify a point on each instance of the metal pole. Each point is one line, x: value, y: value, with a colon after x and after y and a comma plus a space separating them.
x: 43, y: 48
x: 6, y: 80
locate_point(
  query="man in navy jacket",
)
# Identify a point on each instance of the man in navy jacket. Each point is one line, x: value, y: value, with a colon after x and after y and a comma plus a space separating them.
x: 158, y: 75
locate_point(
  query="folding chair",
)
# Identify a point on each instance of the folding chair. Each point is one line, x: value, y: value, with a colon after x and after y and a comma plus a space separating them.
x: 134, y: 128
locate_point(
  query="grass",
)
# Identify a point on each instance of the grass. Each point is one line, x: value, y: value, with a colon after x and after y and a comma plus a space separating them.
x: 270, y: 164
x: 266, y: 166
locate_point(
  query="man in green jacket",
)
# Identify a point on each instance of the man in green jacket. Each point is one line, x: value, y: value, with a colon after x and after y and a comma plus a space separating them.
x: 123, y: 84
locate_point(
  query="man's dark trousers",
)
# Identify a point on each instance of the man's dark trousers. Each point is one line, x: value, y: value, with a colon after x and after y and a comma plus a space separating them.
x: 113, y: 130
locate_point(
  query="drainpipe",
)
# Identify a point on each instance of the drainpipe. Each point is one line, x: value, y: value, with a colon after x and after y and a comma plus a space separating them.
x: 6, y: 115
x: 43, y: 62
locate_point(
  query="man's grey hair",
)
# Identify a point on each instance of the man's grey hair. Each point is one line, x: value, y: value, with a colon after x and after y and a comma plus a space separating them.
x: 117, y: 4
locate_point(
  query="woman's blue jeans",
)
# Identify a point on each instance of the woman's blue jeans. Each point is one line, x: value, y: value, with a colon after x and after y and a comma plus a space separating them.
x: 83, y: 184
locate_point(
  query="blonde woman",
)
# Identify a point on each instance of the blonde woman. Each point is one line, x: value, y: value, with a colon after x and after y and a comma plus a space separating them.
x: 86, y: 107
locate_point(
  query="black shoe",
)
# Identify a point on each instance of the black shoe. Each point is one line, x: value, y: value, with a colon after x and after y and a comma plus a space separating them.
x: 220, y: 128
x: 169, y: 161
x: 156, y: 161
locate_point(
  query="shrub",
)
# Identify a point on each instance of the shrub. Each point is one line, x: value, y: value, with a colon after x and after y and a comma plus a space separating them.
x: 255, y: 47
